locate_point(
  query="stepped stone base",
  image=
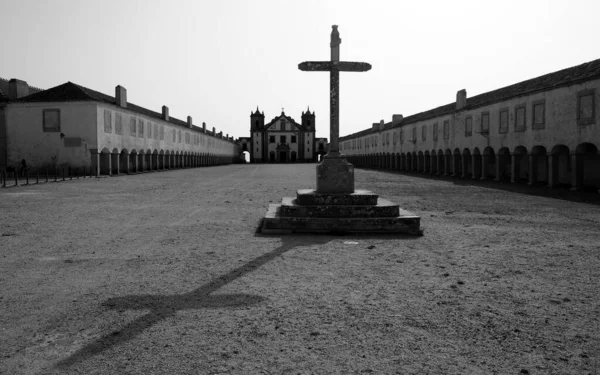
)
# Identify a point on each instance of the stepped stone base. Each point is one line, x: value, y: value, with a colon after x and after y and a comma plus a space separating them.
x: 358, y: 212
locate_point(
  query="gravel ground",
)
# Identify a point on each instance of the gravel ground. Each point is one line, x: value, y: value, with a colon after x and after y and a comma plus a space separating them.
x: 163, y: 273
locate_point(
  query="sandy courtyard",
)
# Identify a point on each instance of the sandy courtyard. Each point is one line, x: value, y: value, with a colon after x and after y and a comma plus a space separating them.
x: 163, y: 273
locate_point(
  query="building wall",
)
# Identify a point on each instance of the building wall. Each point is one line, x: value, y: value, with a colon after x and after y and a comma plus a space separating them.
x: 190, y: 140
x: 82, y: 129
x: 27, y: 140
x: 561, y: 127
x: 561, y: 131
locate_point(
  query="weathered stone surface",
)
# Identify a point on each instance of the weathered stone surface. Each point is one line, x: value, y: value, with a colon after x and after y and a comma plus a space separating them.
x: 274, y: 223
x: 384, y: 208
x: 358, y: 197
x: 335, y: 176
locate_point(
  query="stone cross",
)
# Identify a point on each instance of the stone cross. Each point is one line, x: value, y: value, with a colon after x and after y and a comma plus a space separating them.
x: 334, y: 67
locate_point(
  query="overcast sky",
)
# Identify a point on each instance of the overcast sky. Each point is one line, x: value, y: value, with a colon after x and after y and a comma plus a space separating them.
x: 217, y: 60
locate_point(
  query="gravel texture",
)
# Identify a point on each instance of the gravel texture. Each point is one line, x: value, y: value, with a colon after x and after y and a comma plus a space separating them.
x: 163, y: 273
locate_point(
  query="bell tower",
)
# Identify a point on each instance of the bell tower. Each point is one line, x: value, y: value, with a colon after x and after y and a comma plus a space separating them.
x: 257, y: 120
x: 308, y: 120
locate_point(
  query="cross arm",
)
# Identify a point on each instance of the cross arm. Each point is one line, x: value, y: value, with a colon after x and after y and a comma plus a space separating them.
x: 315, y: 66
x: 327, y: 66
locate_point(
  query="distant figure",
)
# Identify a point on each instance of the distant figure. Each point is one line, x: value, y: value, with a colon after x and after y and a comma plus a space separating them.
x: 23, y: 167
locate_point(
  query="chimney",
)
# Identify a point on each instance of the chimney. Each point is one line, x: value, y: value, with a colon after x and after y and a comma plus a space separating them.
x: 204, y: 127
x: 121, y: 96
x: 227, y: 136
x: 375, y: 126
x: 214, y: 131
x: 17, y: 89
x: 397, y: 119
x: 461, y: 99
x: 165, y: 113
x: 381, y: 125
x: 221, y: 134
x: 190, y: 122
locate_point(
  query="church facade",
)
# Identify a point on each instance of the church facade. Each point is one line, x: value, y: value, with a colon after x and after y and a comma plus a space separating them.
x: 283, y: 140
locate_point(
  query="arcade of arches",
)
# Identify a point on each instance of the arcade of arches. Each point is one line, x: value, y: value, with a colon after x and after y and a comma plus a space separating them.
x: 114, y: 162
x: 558, y: 166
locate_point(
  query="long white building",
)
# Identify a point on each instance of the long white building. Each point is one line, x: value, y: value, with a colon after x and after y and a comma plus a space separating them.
x: 543, y: 130
x: 74, y: 126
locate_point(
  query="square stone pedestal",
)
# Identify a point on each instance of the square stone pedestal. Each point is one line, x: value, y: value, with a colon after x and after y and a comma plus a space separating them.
x: 358, y: 212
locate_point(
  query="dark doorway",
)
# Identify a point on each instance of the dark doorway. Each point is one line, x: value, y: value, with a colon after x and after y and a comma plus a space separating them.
x: 283, y: 157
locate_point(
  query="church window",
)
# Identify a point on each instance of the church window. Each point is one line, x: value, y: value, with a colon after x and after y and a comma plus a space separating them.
x: 283, y: 139
x: 503, y: 128
x: 256, y: 123
x: 538, y: 113
x: 119, y: 124
x: 141, y: 128
x: 586, y: 108
x: 271, y: 139
x: 468, y: 126
x: 520, y: 122
x: 51, y: 120
x: 435, y: 131
x: 424, y: 132
x: 485, y: 122
x: 107, y: 121
x: 132, y: 126
x: 293, y: 139
x: 446, y: 129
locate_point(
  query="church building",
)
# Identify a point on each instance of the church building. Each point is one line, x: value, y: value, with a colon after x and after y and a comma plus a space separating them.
x: 283, y: 140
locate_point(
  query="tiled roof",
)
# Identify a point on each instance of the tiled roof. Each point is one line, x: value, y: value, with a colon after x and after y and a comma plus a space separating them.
x: 71, y: 92
x: 565, y: 77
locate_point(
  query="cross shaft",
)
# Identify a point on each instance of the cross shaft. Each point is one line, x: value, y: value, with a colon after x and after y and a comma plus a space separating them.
x: 334, y: 67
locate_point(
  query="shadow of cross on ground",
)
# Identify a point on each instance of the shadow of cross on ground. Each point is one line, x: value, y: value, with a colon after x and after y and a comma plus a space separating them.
x: 164, y: 306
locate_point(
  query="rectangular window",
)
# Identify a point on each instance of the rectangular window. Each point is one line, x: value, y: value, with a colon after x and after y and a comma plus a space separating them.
x: 387, y: 138
x: 187, y: 138
x: 162, y: 133
x: 424, y: 132
x: 395, y: 140
x: 468, y: 126
x: 538, y: 113
x: 51, y: 120
x: 179, y: 136
x: 141, y: 128
x: 446, y: 129
x: 119, y: 124
x: 132, y: 126
x: 293, y: 139
x: 435, y: 131
x: 283, y: 138
x: 107, y: 121
x: 401, y: 136
x: 586, y: 107
x: 520, y: 123
x: 174, y: 136
x: 414, y: 135
x: 155, y: 131
x: 485, y: 122
x: 271, y: 139
x: 503, y: 119
x: 149, y: 130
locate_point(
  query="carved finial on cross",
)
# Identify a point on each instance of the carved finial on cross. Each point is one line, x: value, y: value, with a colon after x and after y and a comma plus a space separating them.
x: 335, y: 43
